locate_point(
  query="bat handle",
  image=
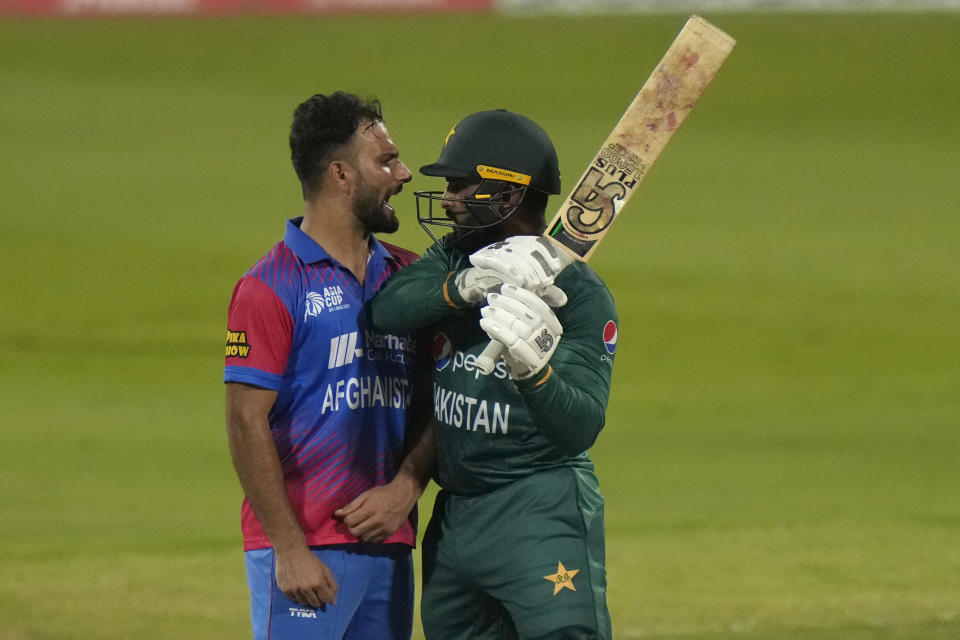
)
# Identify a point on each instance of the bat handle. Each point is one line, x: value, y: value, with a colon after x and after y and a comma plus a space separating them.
x: 487, y: 360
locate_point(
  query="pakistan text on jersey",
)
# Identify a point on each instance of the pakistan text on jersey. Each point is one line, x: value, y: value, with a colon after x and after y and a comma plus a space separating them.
x: 367, y: 391
x: 470, y: 414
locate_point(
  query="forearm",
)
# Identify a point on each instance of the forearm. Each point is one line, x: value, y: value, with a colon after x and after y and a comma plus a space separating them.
x: 377, y: 513
x: 261, y: 477
x: 569, y: 405
x: 420, y: 462
x: 564, y: 413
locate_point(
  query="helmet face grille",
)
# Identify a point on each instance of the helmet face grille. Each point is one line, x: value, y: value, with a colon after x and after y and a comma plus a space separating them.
x: 493, y: 202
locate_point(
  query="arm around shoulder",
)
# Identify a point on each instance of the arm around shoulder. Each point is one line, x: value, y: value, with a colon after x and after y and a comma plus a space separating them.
x: 417, y: 295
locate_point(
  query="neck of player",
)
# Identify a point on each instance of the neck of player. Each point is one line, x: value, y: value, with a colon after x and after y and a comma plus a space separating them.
x: 340, y: 234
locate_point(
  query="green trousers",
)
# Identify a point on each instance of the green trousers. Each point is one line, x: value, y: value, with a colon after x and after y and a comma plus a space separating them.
x: 524, y: 561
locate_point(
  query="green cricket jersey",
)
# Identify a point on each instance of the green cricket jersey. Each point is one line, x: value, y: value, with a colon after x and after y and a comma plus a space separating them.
x: 490, y: 429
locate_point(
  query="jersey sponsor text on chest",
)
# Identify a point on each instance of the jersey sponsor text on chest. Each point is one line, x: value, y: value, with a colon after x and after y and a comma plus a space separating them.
x: 468, y: 413
x: 367, y: 391
x: 346, y: 348
x: 468, y: 362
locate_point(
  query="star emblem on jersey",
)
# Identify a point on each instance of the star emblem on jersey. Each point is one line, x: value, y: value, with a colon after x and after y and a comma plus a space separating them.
x: 562, y: 579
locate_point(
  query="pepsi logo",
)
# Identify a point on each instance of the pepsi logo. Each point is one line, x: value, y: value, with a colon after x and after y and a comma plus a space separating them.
x: 610, y: 336
x: 442, y: 351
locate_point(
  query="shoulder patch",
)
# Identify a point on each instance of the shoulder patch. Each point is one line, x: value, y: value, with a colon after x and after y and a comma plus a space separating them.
x: 610, y: 336
x: 237, y: 345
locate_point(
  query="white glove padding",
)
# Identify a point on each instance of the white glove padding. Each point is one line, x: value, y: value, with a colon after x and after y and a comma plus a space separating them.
x: 473, y: 284
x: 525, y: 325
x: 531, y: 262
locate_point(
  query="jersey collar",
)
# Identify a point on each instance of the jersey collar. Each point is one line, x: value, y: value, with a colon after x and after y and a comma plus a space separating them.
x: 302, y: 245
x: 307, y: 249
x: 378, y: 252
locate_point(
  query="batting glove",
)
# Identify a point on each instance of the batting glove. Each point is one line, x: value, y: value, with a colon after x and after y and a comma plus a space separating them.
x: 531, y: 262
x: 473, y: 283
x: 525, y: 325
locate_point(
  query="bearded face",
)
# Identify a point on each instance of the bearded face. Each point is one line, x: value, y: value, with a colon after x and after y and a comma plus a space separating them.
x: 474, y: 235
x: 372, y: 209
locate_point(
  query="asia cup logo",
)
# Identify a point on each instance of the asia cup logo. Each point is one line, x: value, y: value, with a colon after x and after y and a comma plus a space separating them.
x: 442, y: 351
x: 610, y: 336
x: 313, y: 305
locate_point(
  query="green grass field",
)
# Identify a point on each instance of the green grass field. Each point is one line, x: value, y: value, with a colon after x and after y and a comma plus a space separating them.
x: 782, y: 449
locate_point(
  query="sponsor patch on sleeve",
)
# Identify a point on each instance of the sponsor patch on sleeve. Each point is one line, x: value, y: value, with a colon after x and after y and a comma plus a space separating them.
x: 442, y: 351
x: 237, y: 346
x: 609, y: 341
x: 610, y: 336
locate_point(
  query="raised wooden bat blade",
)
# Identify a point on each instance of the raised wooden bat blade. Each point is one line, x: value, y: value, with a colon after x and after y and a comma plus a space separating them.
x: 634, y: 145
x: 658, y: 110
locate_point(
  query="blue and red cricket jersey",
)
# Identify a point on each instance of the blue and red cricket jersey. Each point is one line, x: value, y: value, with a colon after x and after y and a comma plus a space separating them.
x: 297, y: 326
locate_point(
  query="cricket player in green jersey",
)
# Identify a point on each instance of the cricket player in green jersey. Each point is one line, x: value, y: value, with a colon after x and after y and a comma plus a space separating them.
x: 515, y: 547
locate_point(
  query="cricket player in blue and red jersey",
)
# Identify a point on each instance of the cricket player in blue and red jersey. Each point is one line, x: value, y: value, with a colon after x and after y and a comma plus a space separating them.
x: 321, y: 416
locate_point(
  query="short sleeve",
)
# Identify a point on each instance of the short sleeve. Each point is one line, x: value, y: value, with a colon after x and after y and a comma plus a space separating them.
x: 259, y: 335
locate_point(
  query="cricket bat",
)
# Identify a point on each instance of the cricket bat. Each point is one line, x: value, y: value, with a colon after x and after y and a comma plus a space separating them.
x: 637, y: 140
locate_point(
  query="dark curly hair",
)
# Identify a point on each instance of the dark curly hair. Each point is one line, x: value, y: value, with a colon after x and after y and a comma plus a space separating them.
x: 322, y: 125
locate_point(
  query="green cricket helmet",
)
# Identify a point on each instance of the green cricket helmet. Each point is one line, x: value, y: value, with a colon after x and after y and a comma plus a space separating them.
x: 504, y: 154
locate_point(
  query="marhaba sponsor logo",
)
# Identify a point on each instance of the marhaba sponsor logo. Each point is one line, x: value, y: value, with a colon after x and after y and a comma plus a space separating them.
x: 389, y: 341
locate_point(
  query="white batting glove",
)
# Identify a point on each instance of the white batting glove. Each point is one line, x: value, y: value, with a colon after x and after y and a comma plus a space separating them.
x: 525, y: 325
x: 473, y: 283
x: 531, y: 262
